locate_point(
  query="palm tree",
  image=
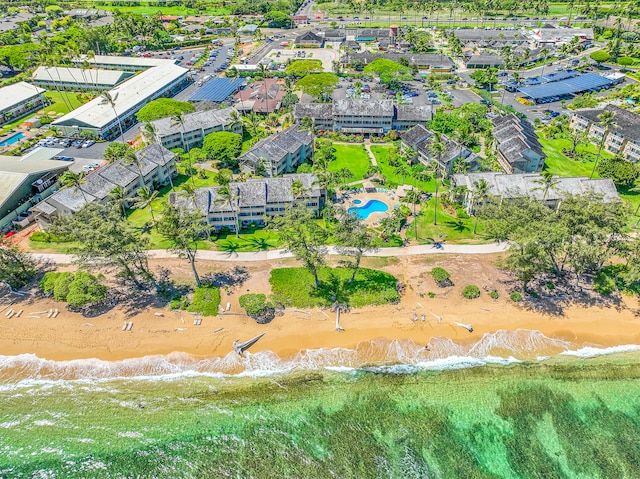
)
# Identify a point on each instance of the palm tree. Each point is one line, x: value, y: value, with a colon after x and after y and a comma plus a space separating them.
x: 252, y: 123
x: 228, y: 196
x: 437, y: 149
x: 413, y: 197
x: 547, y: 182
x: 481, y: 189
x: 607, y: 121
x: 145, y: 198
x: 189, y: 191
x: 108, y: 99
x: 71, y: 180
x: 178, y: 119
x: 131, y: 159
x: 544, y: 52
x: 298, y: 189
x: 118, y: 197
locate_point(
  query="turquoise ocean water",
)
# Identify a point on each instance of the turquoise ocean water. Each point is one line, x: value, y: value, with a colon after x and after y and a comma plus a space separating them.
x: 512, y: 405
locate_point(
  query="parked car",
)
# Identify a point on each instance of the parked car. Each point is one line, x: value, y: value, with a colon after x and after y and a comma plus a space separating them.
x: 88, y: 144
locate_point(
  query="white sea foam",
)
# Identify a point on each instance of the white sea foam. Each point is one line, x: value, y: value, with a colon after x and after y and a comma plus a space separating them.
x: 501, y: 347
x: 592, y: 352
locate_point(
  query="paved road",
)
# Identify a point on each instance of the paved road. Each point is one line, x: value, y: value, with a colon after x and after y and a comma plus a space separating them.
x: 279, y: 253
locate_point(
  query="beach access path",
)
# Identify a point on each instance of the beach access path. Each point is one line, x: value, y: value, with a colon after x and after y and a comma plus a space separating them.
x: 417, y: 250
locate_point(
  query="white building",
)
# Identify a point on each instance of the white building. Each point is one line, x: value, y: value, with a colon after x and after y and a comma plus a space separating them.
x: 62, y: 78
x: 104, y: 120
x: 18, y: 100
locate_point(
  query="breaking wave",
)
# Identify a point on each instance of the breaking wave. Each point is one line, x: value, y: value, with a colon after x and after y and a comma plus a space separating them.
x: 386, y: 356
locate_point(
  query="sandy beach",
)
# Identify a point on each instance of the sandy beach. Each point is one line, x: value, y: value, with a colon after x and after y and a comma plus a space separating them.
x: 156, y: 330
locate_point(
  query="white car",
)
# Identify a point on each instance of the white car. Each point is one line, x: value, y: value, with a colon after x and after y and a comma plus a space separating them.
x: 89, y: 143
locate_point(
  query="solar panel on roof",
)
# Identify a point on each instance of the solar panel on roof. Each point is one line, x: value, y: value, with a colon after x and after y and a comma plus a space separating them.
x: 578, y: 84
x: 217, y: 89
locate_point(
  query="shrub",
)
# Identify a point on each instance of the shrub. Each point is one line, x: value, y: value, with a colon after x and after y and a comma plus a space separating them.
x: 431, y: 294
x: 626, y: 61
x: 441, y: 276
x: 550, y: 285
x: 206, y: 300
x: 516, y: 297
x: 471, y: 291
x: 494, y: 294
x: 40, y: 236
x: 76, y: 290
x: 257, y: 307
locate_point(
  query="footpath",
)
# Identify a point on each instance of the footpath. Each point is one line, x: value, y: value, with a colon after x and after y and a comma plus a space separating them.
x: 209, y: 255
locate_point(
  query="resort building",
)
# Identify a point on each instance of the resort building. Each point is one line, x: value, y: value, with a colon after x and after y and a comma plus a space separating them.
x: 18, y: 100
x: 419, y: 139
x: 279, y: 153
x: 156, y: 167
x: 509, y: 187
x: 481, y: 38
x: 105, y: 120
x: 24, y: 181
x: 516, y: 145
x: 194, y: 128
x: 623, y: 137
x: 253, y: 200
x: 361, y: 116
x: 483, y: 60
x: 554, y: 37
x: 114, y: 62
x: 61, y: 78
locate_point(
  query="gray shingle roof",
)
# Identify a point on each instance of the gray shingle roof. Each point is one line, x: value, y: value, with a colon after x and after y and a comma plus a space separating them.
x: 275, y: 147
x: 417, y: 58
x: 361, y: 107
x: 194, y: 121
x: 158, y: 154
x: 413, y: 113
x: 71, y: 198
x: 514, y: 137
x: 416, y: 136
x: 484, y: 35
x: 309, y: 37
x: 627, y: 123
x: 321, y: 111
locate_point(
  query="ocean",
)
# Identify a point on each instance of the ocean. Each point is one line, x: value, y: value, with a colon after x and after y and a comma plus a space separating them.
x: 512, y: 405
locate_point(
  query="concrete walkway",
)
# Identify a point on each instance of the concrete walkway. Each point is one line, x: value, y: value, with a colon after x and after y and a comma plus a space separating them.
x: 367, y: 146
x: 209, y: 255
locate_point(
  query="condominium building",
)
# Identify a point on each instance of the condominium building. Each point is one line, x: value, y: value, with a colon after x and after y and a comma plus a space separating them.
x: 156, y: 167
x: 420, y: 139
x: 194, y: 127
x: 363, y: 116
x: 279, y: 153
x: 504, y: 187
x: 104, y: 119
x: 623, y: 137
x: 253, y: 200
x: 18, y: 100
x: 516, y: 145
x: 62, y: 78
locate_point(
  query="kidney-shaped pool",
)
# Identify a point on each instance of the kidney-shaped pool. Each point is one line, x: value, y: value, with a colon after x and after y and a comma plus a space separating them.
x: 372, y: 206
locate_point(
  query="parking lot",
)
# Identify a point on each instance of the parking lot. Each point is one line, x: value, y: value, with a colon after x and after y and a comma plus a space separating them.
x: 413, y: 92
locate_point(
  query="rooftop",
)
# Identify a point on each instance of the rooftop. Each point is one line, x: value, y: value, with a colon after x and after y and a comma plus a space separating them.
x: 79, y: 75
x: 111, y: 60
x: 17, y: 93
x: 217, y: 89
x: 194, y: 121
x: 362, y: 107
x: 128, y: 95
x: 627, y: 123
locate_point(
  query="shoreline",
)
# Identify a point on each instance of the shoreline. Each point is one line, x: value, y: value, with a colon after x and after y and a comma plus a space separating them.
x: 72, y: 336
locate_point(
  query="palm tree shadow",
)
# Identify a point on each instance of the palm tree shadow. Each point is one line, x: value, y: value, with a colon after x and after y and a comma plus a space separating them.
x: 261, y: 244
x: 458, y: 226
x: 229, y: 247
x: 332, y: 289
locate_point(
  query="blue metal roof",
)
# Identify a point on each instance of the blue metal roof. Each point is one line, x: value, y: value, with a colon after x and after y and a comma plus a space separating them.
x: 217, y: 89
x: 570, y: 86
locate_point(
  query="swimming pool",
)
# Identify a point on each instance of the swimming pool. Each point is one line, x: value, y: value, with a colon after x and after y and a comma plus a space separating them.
x: 12, y: 139
x: 372, y: 206
x: 356, y: 202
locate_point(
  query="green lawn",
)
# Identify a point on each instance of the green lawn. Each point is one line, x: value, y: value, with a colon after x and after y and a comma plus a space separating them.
x: 295, y: 286
x: 449, y: 227
x: 59, y: 105
x: 381, y: 152
x: 178, y: 10
x: 352, y: 157
x: 558, y: 163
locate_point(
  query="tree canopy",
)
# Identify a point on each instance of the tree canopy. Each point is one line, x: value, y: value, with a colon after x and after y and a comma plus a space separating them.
x: 600, y: 56
x: 318, y: 84
x: 485, y: 78
x: 16, y: 267
x: 163, y: 108
x: 223, y: 147
x: 300, y: 68
x: 622, y: 172
x: 388, y: 71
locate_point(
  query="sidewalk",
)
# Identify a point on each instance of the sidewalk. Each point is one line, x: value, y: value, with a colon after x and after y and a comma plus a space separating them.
x: 208, y: 255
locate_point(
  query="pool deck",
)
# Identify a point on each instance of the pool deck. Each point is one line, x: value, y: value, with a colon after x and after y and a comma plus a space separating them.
x: 376, y: 216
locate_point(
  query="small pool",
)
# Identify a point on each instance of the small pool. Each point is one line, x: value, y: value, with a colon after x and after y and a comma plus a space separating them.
x: 12, y: 139
x: 372, y: 206
x: 356, y: 202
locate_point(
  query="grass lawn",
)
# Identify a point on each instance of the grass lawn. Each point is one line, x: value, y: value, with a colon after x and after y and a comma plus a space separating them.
x: 352, y: 157
x: 146, y: 9
x: 451, y: 228
x: 59, y: 105
x: 381, y: 152
x: 558, y: 163
x: 296, y: 287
